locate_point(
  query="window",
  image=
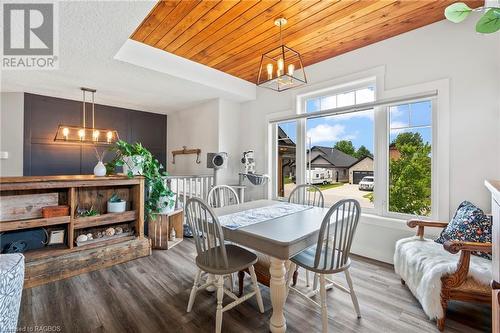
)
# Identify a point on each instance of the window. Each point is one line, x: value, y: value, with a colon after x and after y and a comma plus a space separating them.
x: 340, y: 148
x: 328, y: 102
x: 382, y: 157
x: 410, y: 158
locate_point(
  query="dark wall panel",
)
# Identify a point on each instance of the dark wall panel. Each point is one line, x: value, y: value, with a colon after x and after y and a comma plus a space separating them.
x: 42, y: 115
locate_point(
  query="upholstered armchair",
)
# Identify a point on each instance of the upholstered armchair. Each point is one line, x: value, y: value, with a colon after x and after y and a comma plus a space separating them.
x: 465, y: 279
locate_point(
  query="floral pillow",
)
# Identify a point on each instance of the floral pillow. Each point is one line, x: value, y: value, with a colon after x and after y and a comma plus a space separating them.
x: 469, y: 224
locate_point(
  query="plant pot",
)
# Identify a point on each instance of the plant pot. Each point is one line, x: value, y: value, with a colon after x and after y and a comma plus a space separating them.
x: 117, y: 207
x: 133, y: 164
x: 168, y: 208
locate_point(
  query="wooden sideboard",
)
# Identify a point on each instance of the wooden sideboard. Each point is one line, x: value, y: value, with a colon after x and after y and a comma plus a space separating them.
x: 494, y: 187
x: 26, y: 196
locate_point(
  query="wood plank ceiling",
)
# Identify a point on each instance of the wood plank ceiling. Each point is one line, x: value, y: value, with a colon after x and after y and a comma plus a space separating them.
x: 232, y: 35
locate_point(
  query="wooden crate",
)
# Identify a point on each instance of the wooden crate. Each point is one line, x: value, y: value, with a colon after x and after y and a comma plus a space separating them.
x: 159, y: 230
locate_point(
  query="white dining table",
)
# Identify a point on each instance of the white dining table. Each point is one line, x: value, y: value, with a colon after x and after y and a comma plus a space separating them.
x: 280, y: 238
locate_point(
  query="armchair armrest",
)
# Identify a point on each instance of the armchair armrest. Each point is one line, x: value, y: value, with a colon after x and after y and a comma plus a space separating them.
x: 465, y: 248
x: 424, y: 223
x: 457, y: 246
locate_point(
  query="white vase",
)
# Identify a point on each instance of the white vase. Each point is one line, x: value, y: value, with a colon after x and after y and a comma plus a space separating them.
x: 133, y: 164
x: 100, y: 169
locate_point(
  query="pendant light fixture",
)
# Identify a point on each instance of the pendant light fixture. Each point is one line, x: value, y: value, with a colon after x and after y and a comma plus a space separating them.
x: 84, y: 134
x: 281, y: 68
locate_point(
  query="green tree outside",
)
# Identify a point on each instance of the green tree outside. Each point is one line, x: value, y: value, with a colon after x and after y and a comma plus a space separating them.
x: 410, y: 176
x: 345, y: 146
x: 362, y: 152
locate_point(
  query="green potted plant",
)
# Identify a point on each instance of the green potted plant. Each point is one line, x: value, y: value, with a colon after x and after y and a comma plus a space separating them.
x: 158, y: 195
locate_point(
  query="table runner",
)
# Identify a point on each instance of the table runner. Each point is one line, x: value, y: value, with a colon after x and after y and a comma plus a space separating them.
x: 256, y: 215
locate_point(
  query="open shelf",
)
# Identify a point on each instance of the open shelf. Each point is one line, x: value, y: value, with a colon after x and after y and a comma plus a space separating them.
x: 104, y: 219
x: 33, y: 223
x: 59, y: 250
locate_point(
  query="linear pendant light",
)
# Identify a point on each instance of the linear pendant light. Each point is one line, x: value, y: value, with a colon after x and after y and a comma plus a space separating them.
x: 83, y: 134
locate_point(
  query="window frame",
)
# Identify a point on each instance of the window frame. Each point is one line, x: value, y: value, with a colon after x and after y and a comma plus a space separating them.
x: 434, y: 198
x: 440, y: 129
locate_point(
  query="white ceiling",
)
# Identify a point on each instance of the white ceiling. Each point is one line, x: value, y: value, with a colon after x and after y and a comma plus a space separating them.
x: 90, y: 35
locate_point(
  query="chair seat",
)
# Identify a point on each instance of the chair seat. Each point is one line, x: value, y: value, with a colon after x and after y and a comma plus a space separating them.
x: 305, y: 259
x: 238, y: 259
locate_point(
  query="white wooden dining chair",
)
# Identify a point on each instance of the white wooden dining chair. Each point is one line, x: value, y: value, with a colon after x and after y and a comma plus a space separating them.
x: 306, y: 194
x: 222, y: 195
x: 217, y: 258
x: 309, y: 195
x: 331, y: 254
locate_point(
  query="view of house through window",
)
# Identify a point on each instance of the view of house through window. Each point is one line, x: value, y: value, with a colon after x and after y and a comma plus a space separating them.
x: 340, y: 156
x: 340, y: 148
x: 410, y: 139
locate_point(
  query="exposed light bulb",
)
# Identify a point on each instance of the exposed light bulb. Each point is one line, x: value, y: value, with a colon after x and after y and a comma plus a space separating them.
x: 109, y: 136
x: 95, y: 135
x: 269, y: 71
x: 291, y: 69
x: 81, y: 134
x: 65, y: 133
x: 281, y: 66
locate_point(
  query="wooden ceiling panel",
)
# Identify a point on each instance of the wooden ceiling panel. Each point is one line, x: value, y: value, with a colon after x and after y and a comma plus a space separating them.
x: 232, y: 35
x: 343, y: 29
x: 308, y: 29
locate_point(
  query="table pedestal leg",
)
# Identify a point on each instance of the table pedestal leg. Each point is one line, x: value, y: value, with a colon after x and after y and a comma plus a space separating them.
x: 278, y: 295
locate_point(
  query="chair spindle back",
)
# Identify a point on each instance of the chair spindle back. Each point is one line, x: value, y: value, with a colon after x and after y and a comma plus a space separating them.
x: 336, y: 235
x: 222, y: 195
x: 308, y: 195
x: 207, y: 233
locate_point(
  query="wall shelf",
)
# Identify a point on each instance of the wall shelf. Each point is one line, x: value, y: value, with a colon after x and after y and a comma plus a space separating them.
x: 33, y: 223
x: 104, y: 219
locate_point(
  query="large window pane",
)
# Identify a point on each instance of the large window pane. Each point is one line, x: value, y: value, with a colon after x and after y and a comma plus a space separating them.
x: 285, y: 164
x: 339, y: 156
x: 410, y: 145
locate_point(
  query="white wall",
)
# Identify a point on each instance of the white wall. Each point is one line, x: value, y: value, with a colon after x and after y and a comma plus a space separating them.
x: 438, y: 51
x: 11, y: 133
x: 196, y: 127
x: 229, y: 140
x: 213, y: 127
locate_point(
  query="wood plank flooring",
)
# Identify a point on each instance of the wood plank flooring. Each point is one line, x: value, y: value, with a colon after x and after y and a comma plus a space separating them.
x: 150, y: 295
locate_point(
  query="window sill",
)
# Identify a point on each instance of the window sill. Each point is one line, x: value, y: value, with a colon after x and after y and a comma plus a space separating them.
x: 383, y: 221
x: 393, y: 223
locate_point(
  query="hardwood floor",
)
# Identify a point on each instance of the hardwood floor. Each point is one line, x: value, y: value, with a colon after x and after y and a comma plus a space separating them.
x: 151, y: 294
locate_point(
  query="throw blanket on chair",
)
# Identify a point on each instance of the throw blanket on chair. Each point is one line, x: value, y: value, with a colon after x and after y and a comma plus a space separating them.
x: 422, y: 263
